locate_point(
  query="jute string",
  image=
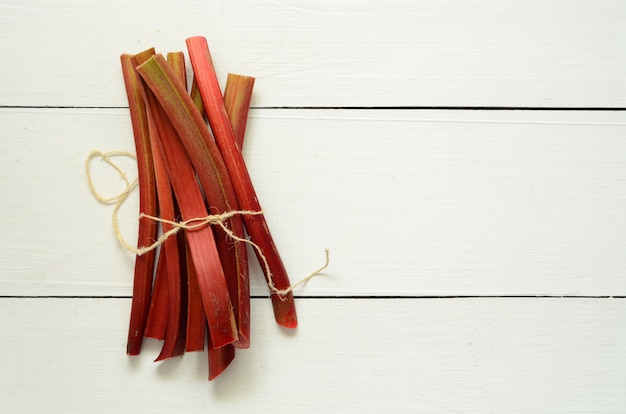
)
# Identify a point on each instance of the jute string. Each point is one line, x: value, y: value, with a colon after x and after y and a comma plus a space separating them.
x: 191, y: 224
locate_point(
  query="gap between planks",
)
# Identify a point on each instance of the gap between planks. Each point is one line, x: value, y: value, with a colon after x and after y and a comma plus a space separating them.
x: 338, y: 297
x: 368, y: 108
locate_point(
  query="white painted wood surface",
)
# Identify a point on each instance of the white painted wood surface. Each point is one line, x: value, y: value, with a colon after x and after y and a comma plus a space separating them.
x: 420, y: 208
x: 408, y: 202
x: 432, y: 356
x: 329, y: 53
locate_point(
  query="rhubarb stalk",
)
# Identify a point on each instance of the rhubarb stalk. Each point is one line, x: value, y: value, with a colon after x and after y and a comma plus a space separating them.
x: 171, y: 254
x: 174, y: 343
x: 157, y: 316
x: 237, y: 97
x: 235, y: 263
x: 147, y: 231
x: 196, y: 318
x: 256, y: 225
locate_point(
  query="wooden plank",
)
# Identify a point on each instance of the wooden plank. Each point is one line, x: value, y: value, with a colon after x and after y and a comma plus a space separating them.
x: 402, y: 356
x: 409, y: 202
x: 329, y: 53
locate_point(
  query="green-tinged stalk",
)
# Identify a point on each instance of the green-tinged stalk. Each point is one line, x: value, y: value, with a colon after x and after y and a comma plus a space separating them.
x: 147, y: 231
x: 196, y: 97
x: 176, y: 61
x: 256, y: 225
x: 237, y: 97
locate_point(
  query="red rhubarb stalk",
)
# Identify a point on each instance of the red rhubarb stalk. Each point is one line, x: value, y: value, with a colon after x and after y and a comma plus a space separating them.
x: 147, y: 231
x: 235, y: 263
x: 219, y: 358
x: 171, y: 254
x: 157, y: 316
x: 174, y: 343
x: 196, y: 318
x: 256, y: 225
x: 234, y: 258
x: 237, y: 97
x: 210, y: 275
x: 235, y: 268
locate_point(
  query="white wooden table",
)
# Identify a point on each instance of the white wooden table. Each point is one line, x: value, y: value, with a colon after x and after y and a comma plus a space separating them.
x: 464, y: 162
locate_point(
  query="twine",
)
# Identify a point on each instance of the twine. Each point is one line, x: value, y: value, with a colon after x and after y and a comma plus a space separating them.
x: 118, y: 199
x: 191, y: 224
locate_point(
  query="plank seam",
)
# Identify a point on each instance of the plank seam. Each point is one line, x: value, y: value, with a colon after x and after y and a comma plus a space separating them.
x: 368, y: 108
x: 402, y: 297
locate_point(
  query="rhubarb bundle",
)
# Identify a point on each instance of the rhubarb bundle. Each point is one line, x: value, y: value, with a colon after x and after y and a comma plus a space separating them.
x: 191, y: 284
